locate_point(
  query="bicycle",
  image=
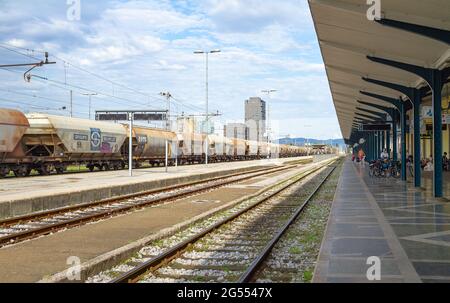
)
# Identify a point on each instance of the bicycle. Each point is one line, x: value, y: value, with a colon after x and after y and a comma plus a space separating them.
x: 395, y: 169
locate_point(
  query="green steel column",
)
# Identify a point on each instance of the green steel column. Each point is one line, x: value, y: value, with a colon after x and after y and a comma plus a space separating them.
x: 394, y: 137
x: 376, y: 144
x: 417, y: 154
x: 437, y: 133
x: 403, y: 140
x: 388, y: 142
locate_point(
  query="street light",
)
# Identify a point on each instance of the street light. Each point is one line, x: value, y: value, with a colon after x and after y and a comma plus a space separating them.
x: 90, y: 95
x: 268, y: 126
x: 207, y: 109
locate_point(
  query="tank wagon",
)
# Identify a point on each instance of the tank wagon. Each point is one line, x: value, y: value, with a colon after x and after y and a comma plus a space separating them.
x: 191, y: 148
x: 13, y: 125
x: 149, y: 145
x: 220, y: 148
x: 50, y: 143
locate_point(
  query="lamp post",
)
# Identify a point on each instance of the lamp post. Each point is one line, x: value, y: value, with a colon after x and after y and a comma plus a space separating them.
x: 207, y: 109
x: 90, y: 95
x: 268, y: 126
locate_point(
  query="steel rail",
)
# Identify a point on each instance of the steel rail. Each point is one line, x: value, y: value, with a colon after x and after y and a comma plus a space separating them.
x: 14, y: 238
x: 252, y: 270
x: 57, y: 211
x: 134, y: 275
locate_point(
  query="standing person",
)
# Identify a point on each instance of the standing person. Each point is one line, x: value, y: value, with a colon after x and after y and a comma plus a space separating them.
x: 384, y: 155
x: 445, y: 162
x: 361, y: 156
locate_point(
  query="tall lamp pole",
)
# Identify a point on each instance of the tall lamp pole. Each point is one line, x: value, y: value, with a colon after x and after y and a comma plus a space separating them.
x: 268, y: 126
x: 90, y: 95
x: 207, y: 109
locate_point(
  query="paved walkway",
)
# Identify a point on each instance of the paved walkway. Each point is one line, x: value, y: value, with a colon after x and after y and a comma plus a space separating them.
x: 407, y: 229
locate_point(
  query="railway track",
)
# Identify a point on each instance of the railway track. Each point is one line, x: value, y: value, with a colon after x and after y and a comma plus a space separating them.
x: 228, y: 248
x: 17, y: 229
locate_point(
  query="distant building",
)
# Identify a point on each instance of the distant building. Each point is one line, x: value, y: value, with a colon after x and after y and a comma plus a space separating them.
x: 236, y: 131
x: 255, y: 118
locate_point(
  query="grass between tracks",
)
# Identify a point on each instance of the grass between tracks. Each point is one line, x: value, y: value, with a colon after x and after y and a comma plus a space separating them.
x: 301, y: 244
x: 313, y: 224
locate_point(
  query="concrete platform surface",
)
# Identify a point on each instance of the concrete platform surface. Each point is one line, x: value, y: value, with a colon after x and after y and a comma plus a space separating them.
x: 20, y: 196
x: 32, y: 260
x: 405, y: 228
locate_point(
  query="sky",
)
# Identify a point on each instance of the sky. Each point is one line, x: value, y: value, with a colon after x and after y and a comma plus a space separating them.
x: 127, y: 52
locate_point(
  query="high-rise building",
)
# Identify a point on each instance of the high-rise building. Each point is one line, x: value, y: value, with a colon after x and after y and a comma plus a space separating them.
x: 255, y: 118
x: 236, y: 131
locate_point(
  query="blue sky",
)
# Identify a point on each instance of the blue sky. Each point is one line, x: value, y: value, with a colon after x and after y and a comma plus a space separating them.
x: 148, y: 46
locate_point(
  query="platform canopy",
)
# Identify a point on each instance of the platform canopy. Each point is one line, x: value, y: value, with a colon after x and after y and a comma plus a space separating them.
x: 346, y: 37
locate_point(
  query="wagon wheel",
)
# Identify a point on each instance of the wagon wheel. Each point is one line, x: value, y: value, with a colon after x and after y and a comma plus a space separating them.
x: 4, y: 171
x: 22, y: 170
x: 44, y: 169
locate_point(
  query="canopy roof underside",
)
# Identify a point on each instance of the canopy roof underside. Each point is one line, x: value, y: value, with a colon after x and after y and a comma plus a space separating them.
x: 346, y: 37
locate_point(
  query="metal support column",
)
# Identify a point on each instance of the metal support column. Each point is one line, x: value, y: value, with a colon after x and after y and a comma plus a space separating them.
x: 417, y: 154
x: 414, y: 95
x: 403, y: 141
x: 388, y: 142
x: 437, y: 132
x: 394, y: 138
x: 435, y: 79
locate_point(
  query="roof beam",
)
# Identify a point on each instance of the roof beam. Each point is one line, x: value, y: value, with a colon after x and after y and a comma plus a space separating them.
x: 396, y: 102
x: 365, y: 51
x: 409, y: 92
x: 378, y: 114
x: 438, y: 34
x: 366, y: 116
x: 389, y: 110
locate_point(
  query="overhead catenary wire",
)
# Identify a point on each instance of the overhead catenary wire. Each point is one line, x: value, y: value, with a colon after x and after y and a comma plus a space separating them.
x: 182, y: 103
x: 38, y: 97
x: 15, y: 102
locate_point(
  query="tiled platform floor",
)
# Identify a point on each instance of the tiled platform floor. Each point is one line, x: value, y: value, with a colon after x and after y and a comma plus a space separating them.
x: 407, y: 229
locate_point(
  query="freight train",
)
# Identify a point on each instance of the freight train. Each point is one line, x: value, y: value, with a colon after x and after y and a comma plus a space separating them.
x: 49, y: 143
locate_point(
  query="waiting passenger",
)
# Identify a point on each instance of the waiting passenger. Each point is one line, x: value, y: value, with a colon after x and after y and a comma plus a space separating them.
x: 429, y: 166
x: 445, y: 162
x: 384, y: 155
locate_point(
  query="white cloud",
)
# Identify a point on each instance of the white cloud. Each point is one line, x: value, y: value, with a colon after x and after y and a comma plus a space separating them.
x: 254, y: 15
x: 148, y: 45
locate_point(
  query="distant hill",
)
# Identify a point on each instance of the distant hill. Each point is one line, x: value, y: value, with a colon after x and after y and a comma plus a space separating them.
x: 303, y: 141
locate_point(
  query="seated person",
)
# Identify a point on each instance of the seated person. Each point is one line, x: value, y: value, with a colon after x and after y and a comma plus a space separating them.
x: 423, y: 163
x: 429, y: 166
x: 384, y: 155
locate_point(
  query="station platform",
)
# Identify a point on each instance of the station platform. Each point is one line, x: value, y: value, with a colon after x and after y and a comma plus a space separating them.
x: 406, y: 228
x: 21, y: 196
